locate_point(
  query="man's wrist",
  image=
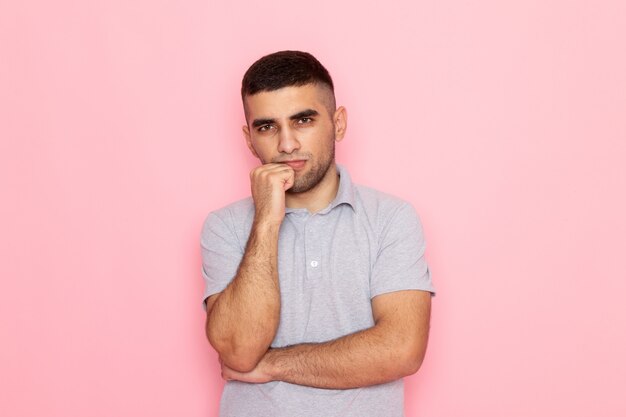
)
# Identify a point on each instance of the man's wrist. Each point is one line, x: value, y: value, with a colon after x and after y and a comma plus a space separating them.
x: 262, y: 224
x: 271, y: 364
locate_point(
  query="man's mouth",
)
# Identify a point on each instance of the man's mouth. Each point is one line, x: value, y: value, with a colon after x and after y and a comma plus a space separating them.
x: 296, y: 163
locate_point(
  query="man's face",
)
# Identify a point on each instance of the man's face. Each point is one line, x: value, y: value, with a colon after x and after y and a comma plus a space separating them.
x: 295, y: 124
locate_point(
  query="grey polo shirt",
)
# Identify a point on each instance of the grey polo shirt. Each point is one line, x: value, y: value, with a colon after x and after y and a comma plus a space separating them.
x: 330, y: 265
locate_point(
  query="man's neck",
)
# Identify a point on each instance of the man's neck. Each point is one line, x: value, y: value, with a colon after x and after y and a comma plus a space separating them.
x: 319, y: 196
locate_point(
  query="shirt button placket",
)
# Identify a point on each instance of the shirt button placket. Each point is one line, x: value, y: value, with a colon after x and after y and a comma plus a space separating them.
x: 313, y: 249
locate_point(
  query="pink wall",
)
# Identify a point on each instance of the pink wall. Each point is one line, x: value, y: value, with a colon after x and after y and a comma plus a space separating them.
x: 503, y: 123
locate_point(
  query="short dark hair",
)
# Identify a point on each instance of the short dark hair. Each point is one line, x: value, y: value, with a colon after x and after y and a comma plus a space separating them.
x: 284, y: 69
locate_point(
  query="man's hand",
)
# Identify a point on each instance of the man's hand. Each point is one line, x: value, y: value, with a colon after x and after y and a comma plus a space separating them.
x: 259, y: 375
x: 268, y: 183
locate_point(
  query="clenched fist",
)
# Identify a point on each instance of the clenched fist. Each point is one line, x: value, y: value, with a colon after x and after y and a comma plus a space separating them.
x: 269, y: 183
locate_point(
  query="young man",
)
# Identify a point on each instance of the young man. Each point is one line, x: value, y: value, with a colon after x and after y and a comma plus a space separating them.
x: 316, y: 289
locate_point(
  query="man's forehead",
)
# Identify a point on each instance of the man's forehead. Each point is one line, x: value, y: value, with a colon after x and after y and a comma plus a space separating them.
x: 287, y: 100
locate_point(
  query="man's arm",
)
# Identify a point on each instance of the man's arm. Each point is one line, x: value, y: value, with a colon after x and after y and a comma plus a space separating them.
x: 242, y: 320
x: 393, y: 348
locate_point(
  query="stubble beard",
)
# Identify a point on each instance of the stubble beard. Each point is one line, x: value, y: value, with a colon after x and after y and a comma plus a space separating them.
x: 315, y: 175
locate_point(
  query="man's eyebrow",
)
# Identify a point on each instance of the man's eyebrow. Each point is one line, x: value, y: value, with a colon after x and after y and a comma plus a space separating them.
x: 261, y: 122
x: 304, y: 113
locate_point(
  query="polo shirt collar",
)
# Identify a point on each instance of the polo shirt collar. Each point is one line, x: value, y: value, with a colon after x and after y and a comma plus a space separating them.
x: 345, y: 193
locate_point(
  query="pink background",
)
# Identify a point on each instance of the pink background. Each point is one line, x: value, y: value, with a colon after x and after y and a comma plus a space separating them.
x: 502, y: 122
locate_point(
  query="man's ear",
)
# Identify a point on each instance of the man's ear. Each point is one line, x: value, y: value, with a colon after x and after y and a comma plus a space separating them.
x: 246, y: 134
x: 340, y: 119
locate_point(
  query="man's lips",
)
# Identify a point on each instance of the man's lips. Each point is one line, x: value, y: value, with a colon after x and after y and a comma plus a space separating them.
x: 296, y: 163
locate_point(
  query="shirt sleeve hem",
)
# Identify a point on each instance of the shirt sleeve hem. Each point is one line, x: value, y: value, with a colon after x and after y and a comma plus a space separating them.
x: 379, y: 291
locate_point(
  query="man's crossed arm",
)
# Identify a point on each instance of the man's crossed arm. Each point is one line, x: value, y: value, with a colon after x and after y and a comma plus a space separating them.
x: 393, y: 348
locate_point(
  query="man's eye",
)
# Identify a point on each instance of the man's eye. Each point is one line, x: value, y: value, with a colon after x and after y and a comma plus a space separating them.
x: 305, y: 120
x: 265, y: 128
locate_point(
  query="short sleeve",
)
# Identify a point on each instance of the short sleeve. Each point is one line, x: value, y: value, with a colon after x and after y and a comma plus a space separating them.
x: 400, y: 264
x: 221, y: 255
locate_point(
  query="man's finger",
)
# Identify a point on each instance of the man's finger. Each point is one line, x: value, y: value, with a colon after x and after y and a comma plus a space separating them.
x: 290, y: 180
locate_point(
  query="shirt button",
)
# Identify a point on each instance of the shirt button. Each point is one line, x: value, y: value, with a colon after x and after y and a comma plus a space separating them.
x: 314, y: 264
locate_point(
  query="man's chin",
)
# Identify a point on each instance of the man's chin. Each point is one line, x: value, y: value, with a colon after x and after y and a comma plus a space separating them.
x: 300, y: 187
x: 297, y: 190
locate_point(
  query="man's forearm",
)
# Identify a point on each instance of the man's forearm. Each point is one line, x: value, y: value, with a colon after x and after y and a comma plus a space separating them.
x: 359, y: 359
x: 369, y: 357
x: 243, y: 321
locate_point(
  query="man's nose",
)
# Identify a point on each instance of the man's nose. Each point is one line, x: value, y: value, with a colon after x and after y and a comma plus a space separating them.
x: 288, y: 141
